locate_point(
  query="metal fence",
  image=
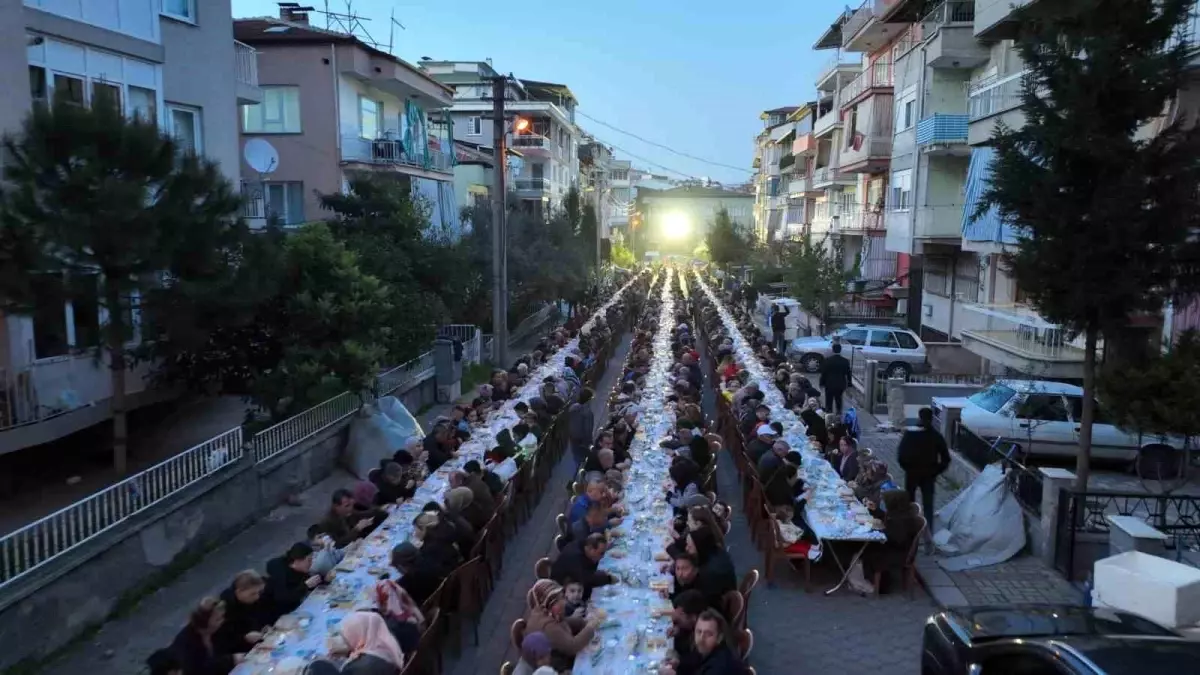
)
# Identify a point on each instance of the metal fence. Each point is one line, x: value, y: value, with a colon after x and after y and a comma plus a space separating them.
x: 531, y: 323
x: 43, y: 540
x: 1086, y: 512
x: 417, y: 369
x: 275, y: 439
x: 1024, y: 482
x: 470, y: 337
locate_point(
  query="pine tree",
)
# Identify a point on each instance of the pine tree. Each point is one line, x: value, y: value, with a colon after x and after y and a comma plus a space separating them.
x: 727, y: 243
x: 1103, y: 215
x: 99, y: 204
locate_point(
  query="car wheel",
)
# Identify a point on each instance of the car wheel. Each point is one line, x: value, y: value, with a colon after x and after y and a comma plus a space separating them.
x: 899, y: 370
x: 811, y: 362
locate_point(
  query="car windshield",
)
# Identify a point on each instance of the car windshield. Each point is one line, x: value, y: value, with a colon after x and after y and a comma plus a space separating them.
x: 993, y: 398
x: 988, y: 624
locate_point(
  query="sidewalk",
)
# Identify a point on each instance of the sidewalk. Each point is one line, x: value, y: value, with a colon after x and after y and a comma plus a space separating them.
x: 1024, y: 579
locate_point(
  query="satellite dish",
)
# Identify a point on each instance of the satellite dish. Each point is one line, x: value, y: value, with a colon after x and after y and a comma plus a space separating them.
x: 261, y: 155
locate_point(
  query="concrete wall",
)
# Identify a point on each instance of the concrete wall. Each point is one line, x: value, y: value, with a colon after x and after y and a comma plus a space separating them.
x: 45, y: 611
x: 951, y: 357
x: 312, y: 155
x: 199, y: 71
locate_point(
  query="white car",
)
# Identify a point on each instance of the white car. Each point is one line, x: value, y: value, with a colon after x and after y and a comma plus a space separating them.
x: 899, y: 351
x: 1042, y: 418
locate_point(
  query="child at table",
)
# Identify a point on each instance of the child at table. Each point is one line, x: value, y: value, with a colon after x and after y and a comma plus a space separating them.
x: 573, y: 590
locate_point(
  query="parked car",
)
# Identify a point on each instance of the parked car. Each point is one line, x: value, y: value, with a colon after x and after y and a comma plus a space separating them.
x: 1051, y: 640
x: 1042, y: 418
x: 899, y: 351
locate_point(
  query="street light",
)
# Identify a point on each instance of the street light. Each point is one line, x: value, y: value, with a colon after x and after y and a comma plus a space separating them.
x: 521, y: 125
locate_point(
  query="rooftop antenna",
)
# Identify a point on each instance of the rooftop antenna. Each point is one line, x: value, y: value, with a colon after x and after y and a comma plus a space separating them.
x: 350, y: 23
x: 392, y: 32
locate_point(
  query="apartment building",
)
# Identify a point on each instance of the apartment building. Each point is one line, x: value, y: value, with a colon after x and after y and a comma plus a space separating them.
x: 622, y: 192
x: 856, y: 111
x: 175, y: 61
x: 549, y: 147
x: 770, y: 201
x: 335, y: 106
x: 796, y: 168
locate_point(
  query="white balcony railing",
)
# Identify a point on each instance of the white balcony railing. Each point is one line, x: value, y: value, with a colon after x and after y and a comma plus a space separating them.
x: 245, y: 64
x: 530, y: 141
x: 388, y: 152
x: 994, y: 95
x: 864, y: 15
x: 532, y: 184
x: 876, y: 75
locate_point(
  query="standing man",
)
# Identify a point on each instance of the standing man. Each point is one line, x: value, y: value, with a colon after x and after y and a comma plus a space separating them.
x: 779, y: 327
x: 835, y: 377
x: 923, y: 455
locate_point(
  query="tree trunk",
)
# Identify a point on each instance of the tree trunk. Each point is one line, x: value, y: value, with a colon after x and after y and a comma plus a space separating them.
x: 1083, y: 459
x: 116, y: 364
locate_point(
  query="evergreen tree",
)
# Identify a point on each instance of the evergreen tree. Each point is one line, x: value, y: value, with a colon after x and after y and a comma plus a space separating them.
x: 1103, y: 214
x: 815, y: 275
x: 726, y: 242
x: 99, y: 205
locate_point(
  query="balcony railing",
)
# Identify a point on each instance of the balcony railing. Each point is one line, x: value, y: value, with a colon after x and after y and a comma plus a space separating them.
x: 803, y: 144
x: 995, y: 95
x: 786, y: 162
x: 245, y: 64
x: 799, y: 186
x: 827, y: 121
x: 957, y: 11
x: 388, y: 152
x: 942, y: 128
x: 828, y: 174
x: 530, y: 141
x: 877, y: 75
x: 532, y: 184
x: 858, y: 20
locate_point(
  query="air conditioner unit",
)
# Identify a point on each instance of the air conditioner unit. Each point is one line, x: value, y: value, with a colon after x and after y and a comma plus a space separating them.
x: 945, y: 420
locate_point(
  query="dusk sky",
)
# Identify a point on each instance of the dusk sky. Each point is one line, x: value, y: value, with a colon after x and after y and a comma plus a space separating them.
x: 692, y: 75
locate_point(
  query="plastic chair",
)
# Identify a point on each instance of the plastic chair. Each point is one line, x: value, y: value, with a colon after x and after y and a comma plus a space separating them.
x: 734, y: 606
x: 776, y: 550
x: 745, y: 643
x: 749, y: 581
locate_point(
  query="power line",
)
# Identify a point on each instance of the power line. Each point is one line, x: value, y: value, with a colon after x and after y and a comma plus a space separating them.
x: 660, y: 145
x: 643, y: 159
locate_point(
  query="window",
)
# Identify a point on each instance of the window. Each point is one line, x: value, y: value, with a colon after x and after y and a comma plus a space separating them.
x: 857, y: 337
x: 906, y: 341
x: 370, y: 118
x: 906, y: 111
x: 285, y: 201
x: 993, y: 398
x: 37, y: 83
x: 1100, y: 415
x: 884, y: 338
x: 1043, y: 407
x: 185, y: 129
x: 475, y: 126
x: 70, y: 88
x: 620, y: 175
x: 61, y: 326
x: 180, y: 9
x: 279, y: 112
x: 537, y: 171
x: 143, y: 103
x: 902, y: 190
x: 112, y: 91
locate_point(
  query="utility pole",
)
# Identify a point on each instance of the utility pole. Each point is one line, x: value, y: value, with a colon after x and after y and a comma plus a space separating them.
x: 499, y: 226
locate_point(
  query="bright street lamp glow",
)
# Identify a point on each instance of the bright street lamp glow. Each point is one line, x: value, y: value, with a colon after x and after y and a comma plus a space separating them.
x: 676, y: 226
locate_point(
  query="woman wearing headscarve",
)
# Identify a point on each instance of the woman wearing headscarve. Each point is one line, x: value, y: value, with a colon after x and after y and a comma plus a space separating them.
x: 716, y: 575
x: 457, y: 506
x: 870, y: 479
x: 686, y: 476
x: 372, y: 649
x: 813, y: 421
x: 901, y: 525
x: 699, y: 516
x: 547, y: 614
x: 535, y: 653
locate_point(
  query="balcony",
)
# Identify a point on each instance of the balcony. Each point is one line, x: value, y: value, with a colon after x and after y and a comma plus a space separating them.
x: 1016, y: 337
x: 245, y: 74
x: 950, y: 40
x: 938, y: 224
x: 878, y: 77
x: 800, y: 187
x: 833, y: 68
x: 994, y: 19
x: 868, y: 154
x: 532, y: 185
x: 827, y: 122
x: 804, y: 144
x: 864, y: 31
x: 829, y: 176
x: 941, y: 133
x: 786, y: 163
x: 392, y: 154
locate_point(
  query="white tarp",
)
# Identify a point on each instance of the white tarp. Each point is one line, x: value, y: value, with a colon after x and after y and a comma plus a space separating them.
x: 982, y: 526
x: 377, y: 433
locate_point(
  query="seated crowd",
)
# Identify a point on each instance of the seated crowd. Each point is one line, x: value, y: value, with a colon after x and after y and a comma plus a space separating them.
x: 223, y: 630
x: 776, y: 465
x: 558, y: 625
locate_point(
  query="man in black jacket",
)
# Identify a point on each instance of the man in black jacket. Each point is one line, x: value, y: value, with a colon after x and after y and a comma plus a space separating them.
x: 579, y: 561
x: 835, y: 377
x: 923, y: 455
x: 289, y: 579
x: 779, y: 328
x: 712, y: 653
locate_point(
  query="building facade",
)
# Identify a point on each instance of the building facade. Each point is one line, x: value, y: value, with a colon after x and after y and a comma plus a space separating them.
x: 334, y: 106
x: 677, y: 220
x: 549, y: 148
x: 174, y: 62
x: 770, y: 191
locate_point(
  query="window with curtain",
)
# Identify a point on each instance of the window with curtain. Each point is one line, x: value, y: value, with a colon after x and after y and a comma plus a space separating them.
x: 143, y: 103
x: 901, y: 199
x: 185, y: 128
x: 279, y: 112
x: 370, y: 118
x: 285, y: 201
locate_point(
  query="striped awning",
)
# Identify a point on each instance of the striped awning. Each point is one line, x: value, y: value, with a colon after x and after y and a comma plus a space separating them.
x: 988, y: 227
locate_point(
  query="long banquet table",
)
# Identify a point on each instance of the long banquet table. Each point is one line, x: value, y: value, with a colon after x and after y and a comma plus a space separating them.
x: 633, y: 634
x: 304, y: 635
